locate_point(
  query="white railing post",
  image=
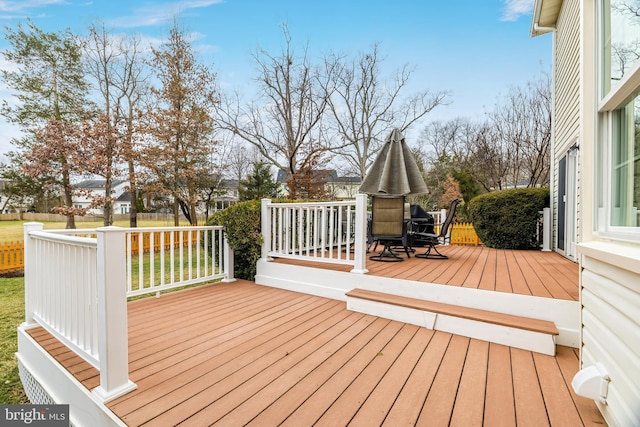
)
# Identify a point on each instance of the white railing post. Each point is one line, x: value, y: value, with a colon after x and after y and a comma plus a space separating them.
x: 546, y: 230
x: 228, y: 261
x: 30, y: 272
x: 360, y: 244
x: 113, y: 340
x: 265, y: 218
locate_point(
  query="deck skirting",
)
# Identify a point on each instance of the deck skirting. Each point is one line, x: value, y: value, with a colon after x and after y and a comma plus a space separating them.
x: 52, y: 382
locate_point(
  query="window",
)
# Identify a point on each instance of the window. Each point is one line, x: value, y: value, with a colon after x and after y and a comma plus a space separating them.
x: 625, y: 164
x: 618, y: 150
x: 620, y: 41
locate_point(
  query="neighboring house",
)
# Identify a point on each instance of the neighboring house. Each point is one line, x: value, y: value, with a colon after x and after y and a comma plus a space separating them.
x: 92, y: 187
x: 338, y: 187
x: 596, y: 187
x: 122, y: 205
x: 227, y: 194
x: 342, y: 187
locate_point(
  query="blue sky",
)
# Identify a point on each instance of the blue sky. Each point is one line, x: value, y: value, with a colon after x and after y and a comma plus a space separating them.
x: 474, y: 49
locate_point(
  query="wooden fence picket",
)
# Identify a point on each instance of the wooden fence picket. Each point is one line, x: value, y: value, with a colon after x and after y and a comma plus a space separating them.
x: 11, y: 257
x: 463, y: 233
x: 146, y: 241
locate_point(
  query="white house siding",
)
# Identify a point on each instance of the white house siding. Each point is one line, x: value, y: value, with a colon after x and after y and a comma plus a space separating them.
x: 611, y: 325
x: 566, y: 126
x: 609, y: 268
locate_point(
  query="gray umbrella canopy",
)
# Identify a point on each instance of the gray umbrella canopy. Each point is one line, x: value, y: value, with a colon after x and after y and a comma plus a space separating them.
x: 394, y: 171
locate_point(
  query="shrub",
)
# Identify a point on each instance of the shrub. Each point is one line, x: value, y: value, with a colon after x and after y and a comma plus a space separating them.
x: 241, y: 224
x: 508, y: 219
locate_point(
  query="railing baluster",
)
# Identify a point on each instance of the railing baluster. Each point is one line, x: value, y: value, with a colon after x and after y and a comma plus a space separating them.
x: 140, y: 260
x: 152, y: 259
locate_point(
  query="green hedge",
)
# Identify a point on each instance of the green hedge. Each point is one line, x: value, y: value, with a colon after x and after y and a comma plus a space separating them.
x: 508, y: 219
x: 241, y: 224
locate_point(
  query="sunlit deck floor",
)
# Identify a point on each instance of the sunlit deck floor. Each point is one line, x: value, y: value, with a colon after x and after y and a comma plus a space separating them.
x: 242, y: 354
x: 543, y: 274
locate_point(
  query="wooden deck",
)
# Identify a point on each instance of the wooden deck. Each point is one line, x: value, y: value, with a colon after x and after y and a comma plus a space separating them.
x: 242, y: 354
x: 543, y: 274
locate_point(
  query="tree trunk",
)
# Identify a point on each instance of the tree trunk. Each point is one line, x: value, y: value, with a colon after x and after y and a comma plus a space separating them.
x: 68, y: 199
x: 133, y: 191
x: 176, y: 212
x: 108, y: 204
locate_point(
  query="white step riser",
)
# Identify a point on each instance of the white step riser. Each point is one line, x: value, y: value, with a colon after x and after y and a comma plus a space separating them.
x: 505, y: 335
x: 334, y: 284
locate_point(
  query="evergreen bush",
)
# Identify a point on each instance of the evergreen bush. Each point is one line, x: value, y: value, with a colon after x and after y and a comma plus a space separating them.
x: 508, y: 219
x: 241, y: 224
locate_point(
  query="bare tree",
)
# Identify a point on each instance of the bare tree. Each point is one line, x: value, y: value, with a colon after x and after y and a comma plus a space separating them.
x: 131, y: 81
x: 445, y: 148
x: 450, y: 139
x: 364, y: 108
x: 521, y: 125
x: 283, y: 124
x: 212, y: 183
x: 101, y: 62
x: 509, y: 149
x: 240, y: 159
x: 625, y: 51
x: 115, y: 64
x: 492, y: 158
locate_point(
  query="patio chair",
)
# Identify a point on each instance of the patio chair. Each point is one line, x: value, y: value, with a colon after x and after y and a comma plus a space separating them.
x: 421, y: 222
x: 388, y: 227
x: 432, y: 240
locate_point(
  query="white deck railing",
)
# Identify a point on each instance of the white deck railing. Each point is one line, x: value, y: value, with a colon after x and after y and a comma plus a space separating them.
x: 161, y: 259
x: 332, y: 232
x: 77, y: 283
x: 61, y: 292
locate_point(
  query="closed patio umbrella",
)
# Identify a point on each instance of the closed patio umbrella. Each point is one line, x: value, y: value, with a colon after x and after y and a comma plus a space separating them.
x: 394, y: 172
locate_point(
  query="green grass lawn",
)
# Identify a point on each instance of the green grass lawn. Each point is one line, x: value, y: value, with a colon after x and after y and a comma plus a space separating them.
x: 11, y: 315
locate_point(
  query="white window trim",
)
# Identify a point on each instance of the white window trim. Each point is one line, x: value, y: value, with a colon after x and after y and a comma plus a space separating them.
x: 604, y: 227
x: 624, y: 92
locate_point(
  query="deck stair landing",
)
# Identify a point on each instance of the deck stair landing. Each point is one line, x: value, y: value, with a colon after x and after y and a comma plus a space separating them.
x: 514, y: 331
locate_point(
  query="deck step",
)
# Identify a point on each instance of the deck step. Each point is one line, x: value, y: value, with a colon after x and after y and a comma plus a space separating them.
x: 515, y: 331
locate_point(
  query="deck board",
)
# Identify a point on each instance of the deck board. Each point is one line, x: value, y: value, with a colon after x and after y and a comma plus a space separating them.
x: 375, y: 408
x: 558, y: 400
x: 516, y: 275
x: 348, y: 403
x: 328, y: 394
x: 542, y: 274
x: 439, y: 405
x: 529, y: 403
x: 469, y: 410
x: 264, y: 356
x: 499, y: 400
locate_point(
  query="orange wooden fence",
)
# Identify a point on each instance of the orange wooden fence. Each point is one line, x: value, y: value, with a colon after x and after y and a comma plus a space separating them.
x: 463, y: 233
x: 11, y: 257
x: 157, y: 244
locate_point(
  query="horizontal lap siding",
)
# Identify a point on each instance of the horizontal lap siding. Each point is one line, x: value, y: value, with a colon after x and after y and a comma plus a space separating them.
x: 611, y: 335
x: 566, y: 107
